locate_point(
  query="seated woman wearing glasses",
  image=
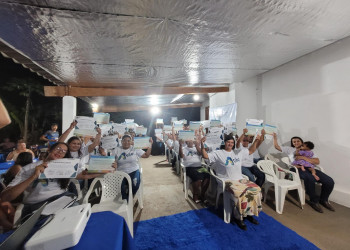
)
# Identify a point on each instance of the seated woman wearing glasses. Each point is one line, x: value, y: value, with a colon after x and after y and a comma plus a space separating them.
x: 37, y: 190
x: 228, y: 165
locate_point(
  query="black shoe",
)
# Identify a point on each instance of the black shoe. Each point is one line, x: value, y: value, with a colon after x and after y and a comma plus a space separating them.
x: 316, y: 206
x: 241, y: 225
x: 252, y: 220
x: 327, y: 205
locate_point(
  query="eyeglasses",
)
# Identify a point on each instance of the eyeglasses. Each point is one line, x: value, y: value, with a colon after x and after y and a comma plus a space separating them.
x: 60, y: 150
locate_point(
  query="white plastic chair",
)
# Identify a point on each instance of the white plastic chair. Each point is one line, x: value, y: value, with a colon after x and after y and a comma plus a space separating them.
x: 186, y: 182
x: 139, y: 194
x: 270, y: 157
x: 111, y: 197
x: 286, y: 160
x: 282, y: 186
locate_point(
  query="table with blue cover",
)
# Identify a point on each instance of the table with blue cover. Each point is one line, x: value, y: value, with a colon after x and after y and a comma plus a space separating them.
x: 106, y: 230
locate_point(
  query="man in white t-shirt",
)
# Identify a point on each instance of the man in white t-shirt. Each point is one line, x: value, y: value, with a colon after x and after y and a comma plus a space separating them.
x: 248, y: 166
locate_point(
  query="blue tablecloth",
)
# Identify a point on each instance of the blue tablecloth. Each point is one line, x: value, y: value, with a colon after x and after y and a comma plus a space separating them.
x: 106, y: 230
x: 5, y: 165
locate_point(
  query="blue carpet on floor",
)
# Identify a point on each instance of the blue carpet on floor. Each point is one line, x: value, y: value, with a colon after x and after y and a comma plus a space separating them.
x: 203, y: 229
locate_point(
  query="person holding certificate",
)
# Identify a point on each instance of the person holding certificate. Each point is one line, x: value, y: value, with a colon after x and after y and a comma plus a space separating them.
x: 126, y: 160
x: 37, y: 190
x: 227, y: 164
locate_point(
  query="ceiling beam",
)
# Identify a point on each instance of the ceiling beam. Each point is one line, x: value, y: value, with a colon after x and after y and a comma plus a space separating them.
x: 127, y: 108
x: 81, y: 92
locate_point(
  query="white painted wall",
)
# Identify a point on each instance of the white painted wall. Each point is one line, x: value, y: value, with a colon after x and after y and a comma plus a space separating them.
x: 69, y: 111
x: 202, y: 114
x: 308, y: 97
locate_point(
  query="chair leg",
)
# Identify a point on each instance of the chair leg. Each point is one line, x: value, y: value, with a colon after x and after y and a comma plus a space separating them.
x: 301, y: 197
x: 282, y: 192
x: 277, y: 197
x: 227, y: 207
x: 141, y: 196
x: 217, y: 200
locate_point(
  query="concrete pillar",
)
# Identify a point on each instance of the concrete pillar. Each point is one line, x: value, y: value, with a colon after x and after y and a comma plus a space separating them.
x: 69, y: 111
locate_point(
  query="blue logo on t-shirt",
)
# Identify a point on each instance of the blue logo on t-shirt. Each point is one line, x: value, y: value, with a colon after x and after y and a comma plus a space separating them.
x: 190, y: 153
x: 229, y: 161
x: 123, y: 156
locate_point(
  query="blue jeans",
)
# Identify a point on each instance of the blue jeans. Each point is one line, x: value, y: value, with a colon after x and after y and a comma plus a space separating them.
x: 309, y: 183
x: 253, y: 172
x: 135, y: 184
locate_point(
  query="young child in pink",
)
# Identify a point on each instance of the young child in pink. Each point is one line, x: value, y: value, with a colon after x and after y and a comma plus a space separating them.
x: 302, y: 164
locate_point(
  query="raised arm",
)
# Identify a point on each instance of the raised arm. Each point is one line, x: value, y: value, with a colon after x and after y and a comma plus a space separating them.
x: 262, y: 138
x: 64, y: 136
x: 253, y: 147
x: 240, y: 139
x: 181, y: 153
x: 204, y: 152
x: 149, y: 149
x: 96, y: 141
x: 275, y: 143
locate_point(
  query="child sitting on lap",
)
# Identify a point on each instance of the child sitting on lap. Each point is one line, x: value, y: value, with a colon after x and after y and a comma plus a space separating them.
x: 306, y: 152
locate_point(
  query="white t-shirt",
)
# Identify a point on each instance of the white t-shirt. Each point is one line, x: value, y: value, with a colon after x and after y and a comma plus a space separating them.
x: 40, y: 189
x: 191, y: 157
x: 176, y: 146
x: 84, y: 157
x: 228, y: 165
x: 247, y: 161
x: 127, y: 159
x: 169, y: 143
x: 290, y: 151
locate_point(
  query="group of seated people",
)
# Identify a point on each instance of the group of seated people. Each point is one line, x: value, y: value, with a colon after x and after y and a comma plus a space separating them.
x: 238, y: 157
x: 22, y: 178
x: 231, y: 162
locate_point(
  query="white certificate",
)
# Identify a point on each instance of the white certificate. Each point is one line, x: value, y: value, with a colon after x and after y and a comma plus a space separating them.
x: 106, y: 129
x: 131, y: 125
x: 178, y: 126
x: 61, y: 168
x: 159, y: 121
x: 167, y: 128
x: 173, y: 119
x: 230, y: 129
x: 101, y: 164
x: 186, y: 135
x: 141, y: 130
x: 194, y: 125
x: 102, y: 118
x: 215, y: 123
x: 85, y: 132
x: 269, y: 129
x: 119, y: 128
x: 129, y: 120
x: 109, y: 142
x: 85, y: 122
x: 206, y: 124
x: 141, y: 142
x: 254, y: 126
x: 213, y: 140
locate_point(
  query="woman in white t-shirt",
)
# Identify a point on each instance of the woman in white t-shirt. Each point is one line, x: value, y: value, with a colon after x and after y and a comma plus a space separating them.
x: 227, y: 164
x: 192, y: 160
x: 126, y: 160
x: 309, y: 180
x: 37, y: 190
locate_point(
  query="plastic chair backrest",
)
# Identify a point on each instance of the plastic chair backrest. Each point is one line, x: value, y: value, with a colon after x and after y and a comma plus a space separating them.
x: 111, y: 187
x: 268, y: 167
x: 286, y: 160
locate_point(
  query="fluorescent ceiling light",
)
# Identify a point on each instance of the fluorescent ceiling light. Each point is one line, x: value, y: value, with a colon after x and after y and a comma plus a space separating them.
x: 196, y: 97
x: 177, y: 98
